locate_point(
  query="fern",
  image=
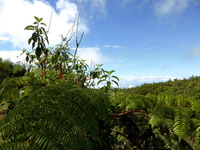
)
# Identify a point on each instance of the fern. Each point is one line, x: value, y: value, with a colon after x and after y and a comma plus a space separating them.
x: 168, y: 115
x: 56, y: 117
x: 181, y: 124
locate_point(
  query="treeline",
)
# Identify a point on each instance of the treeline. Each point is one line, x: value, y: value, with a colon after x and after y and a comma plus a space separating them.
x: 10, y: 69
x: 186, y: 87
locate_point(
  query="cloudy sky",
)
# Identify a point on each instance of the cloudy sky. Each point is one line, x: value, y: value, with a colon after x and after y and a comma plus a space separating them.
x: 142, y: 40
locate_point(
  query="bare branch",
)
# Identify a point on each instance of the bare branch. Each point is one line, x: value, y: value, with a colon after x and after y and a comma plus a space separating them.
x: 77, y: 25
x: 50, y: 22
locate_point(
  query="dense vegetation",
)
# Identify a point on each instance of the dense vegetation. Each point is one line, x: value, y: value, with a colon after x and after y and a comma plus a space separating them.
x: 55, y: 105
x: 9, y: 69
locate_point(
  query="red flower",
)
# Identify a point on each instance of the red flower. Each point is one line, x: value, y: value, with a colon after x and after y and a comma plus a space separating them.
x: 42, y: 73
x: 60, y: 77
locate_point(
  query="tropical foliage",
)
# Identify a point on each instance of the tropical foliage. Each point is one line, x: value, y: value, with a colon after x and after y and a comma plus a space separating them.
x: 9, y: 69
x: 56, y: 105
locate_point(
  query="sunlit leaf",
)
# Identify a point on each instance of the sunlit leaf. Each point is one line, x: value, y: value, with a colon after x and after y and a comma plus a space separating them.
x: 30, y: 27
x: 43, y: 24
x: 40, y: 19
x: 36, y: 18
x: 112, y: 71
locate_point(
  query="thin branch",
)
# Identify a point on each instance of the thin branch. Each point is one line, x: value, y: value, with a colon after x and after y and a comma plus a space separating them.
x: 50, y: 22
x: 140, y: 111
x: 71, y: 32
x: 119, y: 133
x: 78, y: 43
x: 77, y: 29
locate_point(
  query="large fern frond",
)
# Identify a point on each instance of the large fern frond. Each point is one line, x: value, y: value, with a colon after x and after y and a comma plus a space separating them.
x: 55, y: 117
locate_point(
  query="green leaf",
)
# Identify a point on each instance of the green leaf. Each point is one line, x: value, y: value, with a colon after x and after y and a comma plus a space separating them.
x: 38, y: 52
x: 30, y: 27
x: 115, y: 77
x: 34, y: 36
x: 109, y: 84
x: 100, y: 81
x: 115, y: 82
x: 40, y: 19
x: 46, y: 51
x: 112, y: 71
x: 65, y: 58
x: 46, y: 37
x: 29, y: 40
x: 40, y: 31
x: 99, y: 65
x: 32, y: 57
x: 33, y: 44
x: 37, y: 19
x: 43, y: 24
x: 27, y: 58
x: 104, y: 76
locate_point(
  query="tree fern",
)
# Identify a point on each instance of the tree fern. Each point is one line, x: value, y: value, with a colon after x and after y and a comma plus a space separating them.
x: 181, y: 124
x: 169, y: 117
x: 56, y: 117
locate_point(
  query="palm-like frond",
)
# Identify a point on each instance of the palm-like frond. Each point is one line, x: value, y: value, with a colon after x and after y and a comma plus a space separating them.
x: 55, y: 117
x: 168, y: 115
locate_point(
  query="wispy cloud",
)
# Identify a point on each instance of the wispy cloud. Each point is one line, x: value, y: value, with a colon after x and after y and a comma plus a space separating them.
x: 153, y: 47
x: 99, y: 5
x: 165, y: 8
x: 15, y: 15
x: 93, y: 7
x: 194, y: 52
x: 113, y: 46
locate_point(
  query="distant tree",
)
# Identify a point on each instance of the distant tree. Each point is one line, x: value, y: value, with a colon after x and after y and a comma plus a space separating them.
x: 10, y: 69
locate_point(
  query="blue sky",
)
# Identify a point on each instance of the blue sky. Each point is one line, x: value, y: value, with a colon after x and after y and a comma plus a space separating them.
x: 143, y: 40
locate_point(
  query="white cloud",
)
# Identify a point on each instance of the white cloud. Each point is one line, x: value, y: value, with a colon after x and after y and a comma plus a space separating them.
x: 13, y: 56
x: 132, y: 81
x: 17, y: 14
x: 91, y: 54
x: 164, y: 8
x: 4, y: 39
